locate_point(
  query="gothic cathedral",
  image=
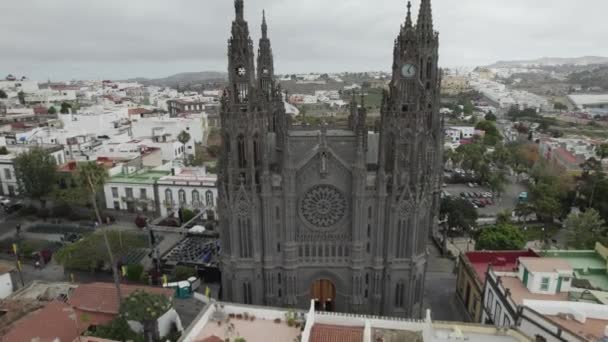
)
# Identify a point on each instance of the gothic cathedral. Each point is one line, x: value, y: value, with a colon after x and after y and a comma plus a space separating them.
x: 337, y: 215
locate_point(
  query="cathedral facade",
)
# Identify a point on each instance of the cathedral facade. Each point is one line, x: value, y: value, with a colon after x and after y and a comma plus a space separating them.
x: 338, y: 215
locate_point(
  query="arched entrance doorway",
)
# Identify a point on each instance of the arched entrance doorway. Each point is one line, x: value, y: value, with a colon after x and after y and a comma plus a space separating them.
x: 323, y: 292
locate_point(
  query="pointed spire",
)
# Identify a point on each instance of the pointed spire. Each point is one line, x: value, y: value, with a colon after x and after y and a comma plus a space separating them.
x: 408, y: 18
x: 239, y: 8
x: 425, y: 19
x: 264, y: 25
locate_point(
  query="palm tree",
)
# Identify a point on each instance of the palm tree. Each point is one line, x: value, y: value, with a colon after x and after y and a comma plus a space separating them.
x: 92, y: 177
x: 183, y: 138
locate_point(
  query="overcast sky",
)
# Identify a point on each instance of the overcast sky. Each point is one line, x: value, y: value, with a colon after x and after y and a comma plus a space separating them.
x: 113, y: 39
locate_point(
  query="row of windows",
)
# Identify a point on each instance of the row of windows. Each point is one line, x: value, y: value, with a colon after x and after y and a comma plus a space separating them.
x: 196, y: 198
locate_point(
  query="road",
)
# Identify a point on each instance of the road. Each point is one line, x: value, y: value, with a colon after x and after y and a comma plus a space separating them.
x: 440, y: 288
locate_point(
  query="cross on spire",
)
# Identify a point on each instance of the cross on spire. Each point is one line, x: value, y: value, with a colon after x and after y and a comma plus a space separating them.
x: 408, y: 19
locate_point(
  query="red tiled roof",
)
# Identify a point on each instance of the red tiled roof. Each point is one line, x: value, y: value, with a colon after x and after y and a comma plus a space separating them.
x: 101, y: 297
x: 137, y: 111
x: 500, y: 260
x: 55, y: 322
x: 335, y: 333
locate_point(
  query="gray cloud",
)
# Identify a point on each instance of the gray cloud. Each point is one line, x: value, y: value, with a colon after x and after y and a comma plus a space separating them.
x: 65, y: 39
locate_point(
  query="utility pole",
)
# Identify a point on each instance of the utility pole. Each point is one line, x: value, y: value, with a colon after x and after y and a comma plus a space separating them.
x: 18, y: 263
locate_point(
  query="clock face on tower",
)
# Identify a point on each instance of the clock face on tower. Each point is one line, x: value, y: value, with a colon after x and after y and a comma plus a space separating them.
x: 408, y: 70
x: 265, y: 71
x: 241, y: 71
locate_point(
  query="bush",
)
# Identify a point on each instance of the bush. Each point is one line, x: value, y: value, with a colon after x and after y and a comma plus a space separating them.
x: 28, y: 211
x: 134, y: 272
x: 43, y: 213
x: 62, y: 210
x: 187, y: 215
x: 183, y: 273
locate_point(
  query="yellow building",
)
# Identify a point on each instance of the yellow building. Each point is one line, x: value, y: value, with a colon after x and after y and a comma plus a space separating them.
x: 471, y: 274
x: 454, y: 85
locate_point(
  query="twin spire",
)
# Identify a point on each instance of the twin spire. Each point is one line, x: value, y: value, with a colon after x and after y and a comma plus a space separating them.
x: 424, y: 24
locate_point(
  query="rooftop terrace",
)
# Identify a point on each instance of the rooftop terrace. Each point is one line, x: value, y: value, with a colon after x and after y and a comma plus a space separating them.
x: 589, y: 265
x: 220, y: 321
x: 146, y: 177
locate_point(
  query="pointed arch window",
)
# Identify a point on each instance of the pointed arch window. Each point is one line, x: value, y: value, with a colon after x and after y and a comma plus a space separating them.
x: 209, y: 198
x: 247, y: 298
x: 227, y: 142
x: 389, y: 151
x: 256, y: 150
x: 429, y: 68
x: 196, y: 197
x: 169, y: 197
x: 399, y: 294
x: 182, y: 197
x: 242, y: 152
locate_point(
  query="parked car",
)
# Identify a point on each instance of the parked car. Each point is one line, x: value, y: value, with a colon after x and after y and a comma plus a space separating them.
x: 13, y: 207
x: 471, y: 185
x: 4, y: 201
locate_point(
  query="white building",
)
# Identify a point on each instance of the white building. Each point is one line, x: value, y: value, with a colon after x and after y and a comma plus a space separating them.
x: 8, y: 179
x: 457, y: 133
x: 538, y: 297
x: 161, y: 190
x: 190, y: 188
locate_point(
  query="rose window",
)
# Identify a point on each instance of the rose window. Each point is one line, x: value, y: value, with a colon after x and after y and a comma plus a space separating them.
x: 323, y: 206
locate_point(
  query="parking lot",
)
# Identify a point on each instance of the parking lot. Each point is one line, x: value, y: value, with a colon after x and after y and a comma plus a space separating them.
x: 507, y: 201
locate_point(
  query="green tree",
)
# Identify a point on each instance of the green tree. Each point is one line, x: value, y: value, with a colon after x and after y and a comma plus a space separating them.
x: 560, y: 106
x: 90, y: 253
x: 460, y: 213
x: 36, y: 173
x: 497, y: 182
x: 502, y: 237
x: 585, y: 229
x: 524, y: 210
x: 503, y: 217
x: 490, y: 117
x: 3, y: 94
x: 183, y: 138
x: 492, y: 135
x: 183, y: 273
x: 52, y: 110
x: 3, y: 151
x: 92, y: 177
x: 21, y: 96
x: 65, y: 108
x: 145, y: 308
x: 545, y: 201
x: 117, y: 330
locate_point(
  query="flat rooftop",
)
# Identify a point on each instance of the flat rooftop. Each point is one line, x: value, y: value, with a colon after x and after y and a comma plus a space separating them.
x: 220, y: 321
x: 501, y: 261
x: 588, y: 265
x: 593, y: 329
x: 147, y: 177
x: 519, y: 292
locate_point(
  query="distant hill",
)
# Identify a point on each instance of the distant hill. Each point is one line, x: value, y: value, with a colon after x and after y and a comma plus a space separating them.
x: 184, y: 79
x: 551, y: 61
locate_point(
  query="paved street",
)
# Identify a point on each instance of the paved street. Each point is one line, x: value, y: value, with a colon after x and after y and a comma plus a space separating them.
x: 440, y: 288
